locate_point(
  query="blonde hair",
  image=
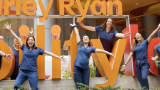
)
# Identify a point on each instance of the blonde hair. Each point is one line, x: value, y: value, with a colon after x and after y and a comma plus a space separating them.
x: 135, y: 42
x: 14, y: 43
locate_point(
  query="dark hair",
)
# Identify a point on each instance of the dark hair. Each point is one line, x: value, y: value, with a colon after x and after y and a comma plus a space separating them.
x: 82, y: 41
x: 103, y: 25
x: 135, y: 42
x: 34, y: 46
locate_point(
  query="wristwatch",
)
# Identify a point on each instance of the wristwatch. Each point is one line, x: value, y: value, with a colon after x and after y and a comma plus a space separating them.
x: 74, y: 26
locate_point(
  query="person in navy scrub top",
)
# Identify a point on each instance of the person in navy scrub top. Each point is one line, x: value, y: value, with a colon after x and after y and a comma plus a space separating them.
x: 28, y: 65
x: 157, y: 53
x: 81, y: 68
x: 16, y: 55
x: 106, y: 33
x: 139, y: 49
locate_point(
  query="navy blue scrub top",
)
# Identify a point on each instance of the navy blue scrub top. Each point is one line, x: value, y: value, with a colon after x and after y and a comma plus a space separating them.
x: 106, y: 38
x: 140, y: 50
x: 29, y: 59
x: 83, y: 55
x: 16, y: 55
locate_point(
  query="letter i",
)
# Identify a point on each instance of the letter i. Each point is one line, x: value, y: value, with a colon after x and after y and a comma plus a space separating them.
x: 56, y: 49
x: 40, y: 42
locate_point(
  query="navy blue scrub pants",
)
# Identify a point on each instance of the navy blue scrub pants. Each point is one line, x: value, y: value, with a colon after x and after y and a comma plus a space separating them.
x: 81, y: 76
x: 142, y: 68
x: 32, y: 77
x: 13, y: 77
x: 97, y: 73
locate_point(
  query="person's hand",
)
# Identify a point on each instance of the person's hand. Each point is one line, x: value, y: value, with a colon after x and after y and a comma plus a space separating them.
x: 62, y: 59
x: 9, y: 56
x: 112, y: 56
x: 127, y: 34
x: 72, y: 24
x: 7, y: 26
x: 31, y: 32
x: 159, y: 26
x: 153, y: 58
x: 81, y: 24
x: 122, y: 69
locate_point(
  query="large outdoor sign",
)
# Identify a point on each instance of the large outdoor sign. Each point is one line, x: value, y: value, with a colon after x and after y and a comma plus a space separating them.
x: 29, y: 7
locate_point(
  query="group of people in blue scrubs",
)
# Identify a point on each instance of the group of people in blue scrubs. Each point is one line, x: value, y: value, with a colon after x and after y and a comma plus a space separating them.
x: 81, y: 68
x: 106, y: 33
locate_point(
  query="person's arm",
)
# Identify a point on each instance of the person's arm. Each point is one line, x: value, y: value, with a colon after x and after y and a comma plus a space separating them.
x: 103, y: 51
x: 121, y: 35
x: 51, y: 54
x: 7, y: 56
x: 128, y: 59
x: 7, y: 26
x: 156, y: 57
x: 2, y: 53
x: 90, y: 28
x: 76, y: 31
x: 153, y: 33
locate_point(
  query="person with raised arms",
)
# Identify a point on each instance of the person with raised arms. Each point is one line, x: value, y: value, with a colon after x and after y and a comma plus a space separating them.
x: 139, y: 49
x: 81, y: 68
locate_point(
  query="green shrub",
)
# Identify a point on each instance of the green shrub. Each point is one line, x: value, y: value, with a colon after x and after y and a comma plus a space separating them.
x: 66, y: 75
x: 155, y: 88
x: 121, y: 74
x: 92, y: 70
x: 156, y: 62
x: 85, y: 87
